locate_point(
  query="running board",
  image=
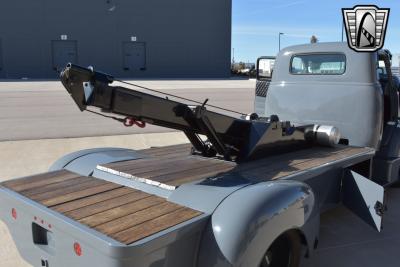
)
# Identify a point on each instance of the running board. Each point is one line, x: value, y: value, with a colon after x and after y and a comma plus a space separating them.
x: 364, y: 198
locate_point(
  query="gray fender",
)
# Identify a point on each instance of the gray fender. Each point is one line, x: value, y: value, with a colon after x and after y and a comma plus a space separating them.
x: 247, y: 222
x: 85, y: 161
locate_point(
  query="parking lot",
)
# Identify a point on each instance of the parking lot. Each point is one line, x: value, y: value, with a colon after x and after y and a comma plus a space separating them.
x: 43, y: 110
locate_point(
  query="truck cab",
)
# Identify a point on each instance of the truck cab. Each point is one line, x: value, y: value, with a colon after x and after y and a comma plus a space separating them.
x: 328, y: 83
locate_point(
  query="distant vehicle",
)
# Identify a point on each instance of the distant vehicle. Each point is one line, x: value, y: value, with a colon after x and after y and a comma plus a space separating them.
x: 249, y: 190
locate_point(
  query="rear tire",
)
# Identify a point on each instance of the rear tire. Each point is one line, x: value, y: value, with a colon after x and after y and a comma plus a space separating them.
x: 285, y: 251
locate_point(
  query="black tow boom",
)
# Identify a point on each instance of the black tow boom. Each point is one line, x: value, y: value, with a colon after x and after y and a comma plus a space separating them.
x: 232, y: 138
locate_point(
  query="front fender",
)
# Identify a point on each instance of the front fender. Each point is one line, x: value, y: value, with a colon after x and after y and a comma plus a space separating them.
x: 247, y: 222
x: 85, y: 161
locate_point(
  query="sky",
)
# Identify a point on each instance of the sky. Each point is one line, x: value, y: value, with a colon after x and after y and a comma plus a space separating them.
x: 257, y: 23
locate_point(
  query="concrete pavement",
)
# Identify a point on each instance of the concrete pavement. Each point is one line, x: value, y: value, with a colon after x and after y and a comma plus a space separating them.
x: 27, y: 157
x: 346, y: 241
x: 35, y: 110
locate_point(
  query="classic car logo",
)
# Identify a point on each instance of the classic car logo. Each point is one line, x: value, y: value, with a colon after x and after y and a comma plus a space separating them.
x: 365, y: 27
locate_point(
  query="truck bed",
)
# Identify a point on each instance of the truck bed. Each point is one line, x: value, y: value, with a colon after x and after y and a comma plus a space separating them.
x: 129, y: 215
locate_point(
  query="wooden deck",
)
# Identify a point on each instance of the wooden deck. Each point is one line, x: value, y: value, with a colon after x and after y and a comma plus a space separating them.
x: 124, y: 214
x: 129, y: 215
x: 170, y: 167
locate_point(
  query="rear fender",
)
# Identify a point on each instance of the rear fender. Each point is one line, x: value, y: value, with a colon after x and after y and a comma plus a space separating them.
x: 85, y: 161
x: 247, y: 222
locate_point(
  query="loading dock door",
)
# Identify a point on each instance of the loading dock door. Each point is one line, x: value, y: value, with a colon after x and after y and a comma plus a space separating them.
x: 134, y: 56
x: 64, y: 52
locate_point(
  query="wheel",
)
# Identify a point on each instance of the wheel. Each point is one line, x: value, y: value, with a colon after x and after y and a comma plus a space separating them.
x: 285, y: 251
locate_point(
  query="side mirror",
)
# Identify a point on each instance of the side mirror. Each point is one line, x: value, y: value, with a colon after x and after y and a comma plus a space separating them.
x: 265, y: 67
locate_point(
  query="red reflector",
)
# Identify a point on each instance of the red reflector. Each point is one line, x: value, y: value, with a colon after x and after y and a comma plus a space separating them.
x: 77, y: 249
x: 14, y: 213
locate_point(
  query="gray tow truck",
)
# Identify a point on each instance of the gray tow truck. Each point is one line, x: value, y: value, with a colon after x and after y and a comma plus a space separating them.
x: 249, y: 189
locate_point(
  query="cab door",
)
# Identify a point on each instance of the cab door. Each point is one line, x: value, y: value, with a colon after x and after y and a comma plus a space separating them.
x: 265, y: 66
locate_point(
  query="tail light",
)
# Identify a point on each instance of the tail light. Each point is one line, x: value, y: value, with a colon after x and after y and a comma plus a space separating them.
x: 77, y: 249
x: 14, y: 213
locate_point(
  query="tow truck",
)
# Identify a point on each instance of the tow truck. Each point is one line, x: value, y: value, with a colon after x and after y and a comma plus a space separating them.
x: 248, y: 190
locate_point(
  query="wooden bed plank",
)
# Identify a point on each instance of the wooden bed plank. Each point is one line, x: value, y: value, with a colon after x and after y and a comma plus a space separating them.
x: 189, y: 168
x: 179, y: 167
x: 156, y: 149
x: 93, y: 182
x: 283, y: 169
x: 55, y: 186
x: 79, y: 194
x: 154, y: 164
x: 98, y: 207
x: 84, y: 202
x: 120, y: 211
x: 154, y: 155
x: 315, y: 163
x: 154, y: 226
x: 165, y: 154
x: 285, y: 161
x: 320, y: 160
x: 39, y: 180
x: 161, y: 151
x: 165, y: 171
x: 147, y: 162
x: 136, y: 218
x: 194, y: 174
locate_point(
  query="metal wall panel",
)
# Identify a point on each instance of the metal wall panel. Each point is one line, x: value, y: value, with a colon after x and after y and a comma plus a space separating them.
x: 179, y: 41
x: 1, y: 60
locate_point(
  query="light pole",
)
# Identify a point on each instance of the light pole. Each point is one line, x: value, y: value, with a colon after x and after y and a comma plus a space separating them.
x: 279, y: 40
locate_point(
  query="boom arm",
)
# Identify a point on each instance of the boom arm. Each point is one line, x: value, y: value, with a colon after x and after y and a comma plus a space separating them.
x: 230, y: 137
